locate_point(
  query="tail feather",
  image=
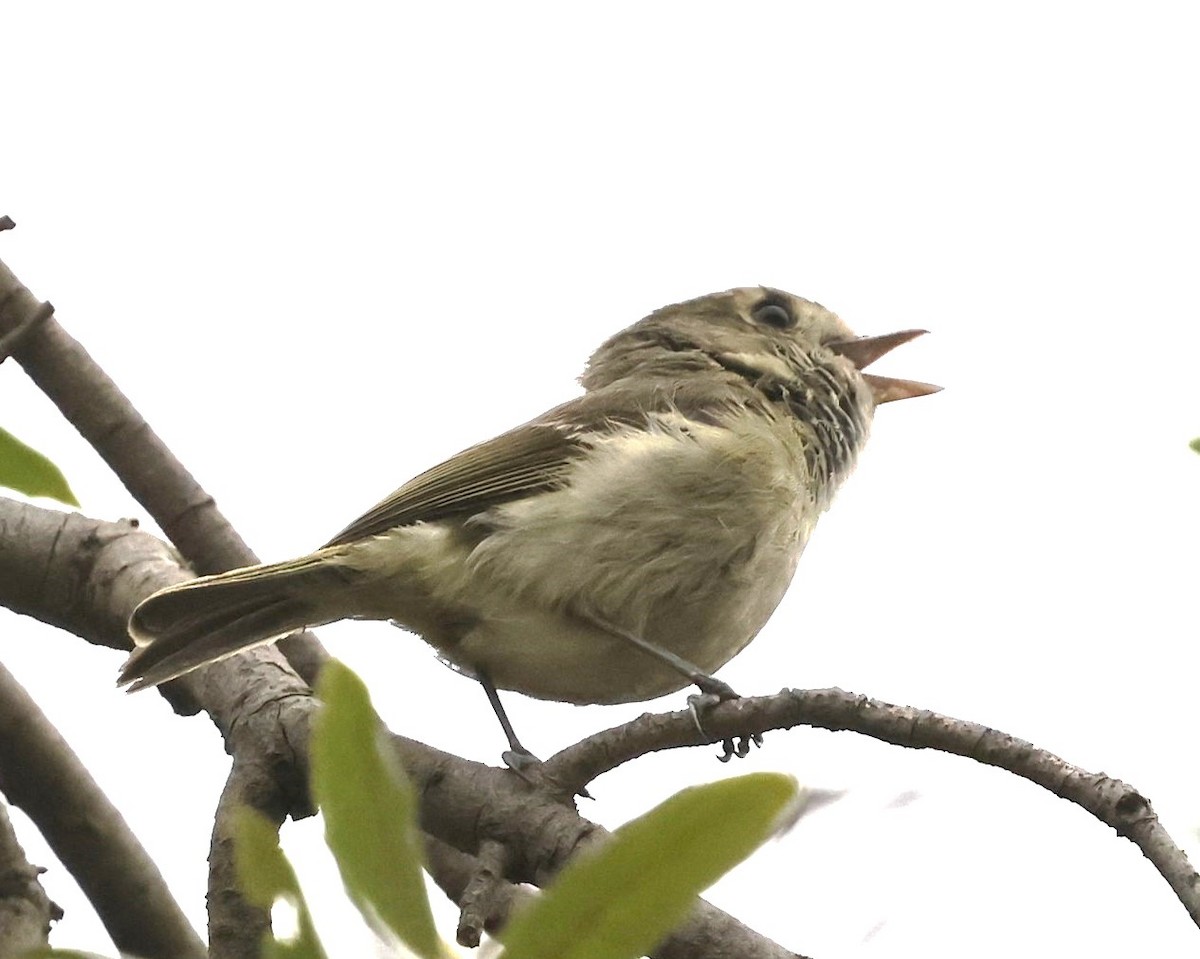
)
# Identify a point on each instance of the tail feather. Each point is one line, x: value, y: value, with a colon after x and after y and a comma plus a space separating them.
x: 206, y: 619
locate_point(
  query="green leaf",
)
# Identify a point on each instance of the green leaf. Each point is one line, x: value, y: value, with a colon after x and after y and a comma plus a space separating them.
x: 622, y: 900
x: 1195, y: 444
x: 266, y: 877
x: 370, y: 813
x: 27, y: 471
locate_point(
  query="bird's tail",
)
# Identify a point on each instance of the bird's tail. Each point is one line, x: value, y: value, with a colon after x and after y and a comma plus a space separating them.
x: 206, y: 619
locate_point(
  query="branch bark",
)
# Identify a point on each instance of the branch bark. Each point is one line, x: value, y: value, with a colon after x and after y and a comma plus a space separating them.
x: 41, y: 775
x: 25, y: 910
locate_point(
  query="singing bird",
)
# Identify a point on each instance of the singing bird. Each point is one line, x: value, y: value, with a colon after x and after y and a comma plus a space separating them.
x: 618, y: 547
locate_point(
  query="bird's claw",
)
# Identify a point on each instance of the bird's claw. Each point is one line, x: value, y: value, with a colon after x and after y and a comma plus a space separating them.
x: 742, y: 747
x: 713, y: 692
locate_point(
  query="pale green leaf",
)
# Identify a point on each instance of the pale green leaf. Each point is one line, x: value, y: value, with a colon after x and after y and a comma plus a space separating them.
x: 27, y: 471
x: 622, y: 900
x: 370, y: 813
x: 266, y: 877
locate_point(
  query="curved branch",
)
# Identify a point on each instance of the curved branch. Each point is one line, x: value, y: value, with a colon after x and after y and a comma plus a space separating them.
x: 103, y: 415
x: 1113, y: 802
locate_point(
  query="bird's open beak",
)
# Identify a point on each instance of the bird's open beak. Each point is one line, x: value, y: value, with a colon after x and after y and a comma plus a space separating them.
x: 865, y: 350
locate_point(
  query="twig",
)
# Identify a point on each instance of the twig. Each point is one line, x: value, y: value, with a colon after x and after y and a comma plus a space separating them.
x: 458, y: 875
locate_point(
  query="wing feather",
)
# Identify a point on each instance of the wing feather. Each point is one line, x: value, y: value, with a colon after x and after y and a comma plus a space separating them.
x: 538, y: 455
x: 530, y: 458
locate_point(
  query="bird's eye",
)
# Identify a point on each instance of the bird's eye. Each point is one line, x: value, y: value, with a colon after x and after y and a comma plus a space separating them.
x: 775, y: 315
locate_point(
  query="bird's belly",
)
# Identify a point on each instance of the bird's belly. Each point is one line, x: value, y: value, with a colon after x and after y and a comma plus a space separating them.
x: 562, y: 656
x: 690, y: 552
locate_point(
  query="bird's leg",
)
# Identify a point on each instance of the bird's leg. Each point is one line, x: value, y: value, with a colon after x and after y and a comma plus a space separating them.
x: 517, y: 757
x: 712, y: 690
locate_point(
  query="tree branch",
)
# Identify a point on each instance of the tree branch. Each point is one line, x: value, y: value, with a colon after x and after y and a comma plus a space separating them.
x: 485, y: 903
x: 91, y: 402
x: 236, y: 927
x: 12, y: 339
x: 102, y: 414
x: 467, y: 804
x: 25, y: 910
x: 265, y: 714
x: 41, y: 775
x: 1113, y: 802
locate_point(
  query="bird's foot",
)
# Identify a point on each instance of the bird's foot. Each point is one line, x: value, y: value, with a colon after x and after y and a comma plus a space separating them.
x: 521, y: 761
x: 526, y: 765
x: 712, y: 693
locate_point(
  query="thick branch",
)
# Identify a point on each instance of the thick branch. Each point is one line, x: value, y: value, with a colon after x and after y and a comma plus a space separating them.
x: 85, y: 576
x: 42, y: 776
x: 266, y: 714
x: 102, y: 414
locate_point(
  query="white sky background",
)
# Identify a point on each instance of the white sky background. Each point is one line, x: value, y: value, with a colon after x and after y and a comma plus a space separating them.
x: 322, y: 251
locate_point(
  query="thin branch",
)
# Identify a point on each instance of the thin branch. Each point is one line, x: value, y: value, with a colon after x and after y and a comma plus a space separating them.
x: 1113, y: 802
x: 41, y: 775
x: 102, y: 414
x: 485, y: 906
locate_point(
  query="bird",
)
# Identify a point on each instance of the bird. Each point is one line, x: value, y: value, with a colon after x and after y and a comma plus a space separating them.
x: 623, y: 545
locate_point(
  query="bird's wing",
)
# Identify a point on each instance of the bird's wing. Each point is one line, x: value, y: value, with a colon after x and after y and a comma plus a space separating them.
x: 538, y: 455
x: 530, y: 458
